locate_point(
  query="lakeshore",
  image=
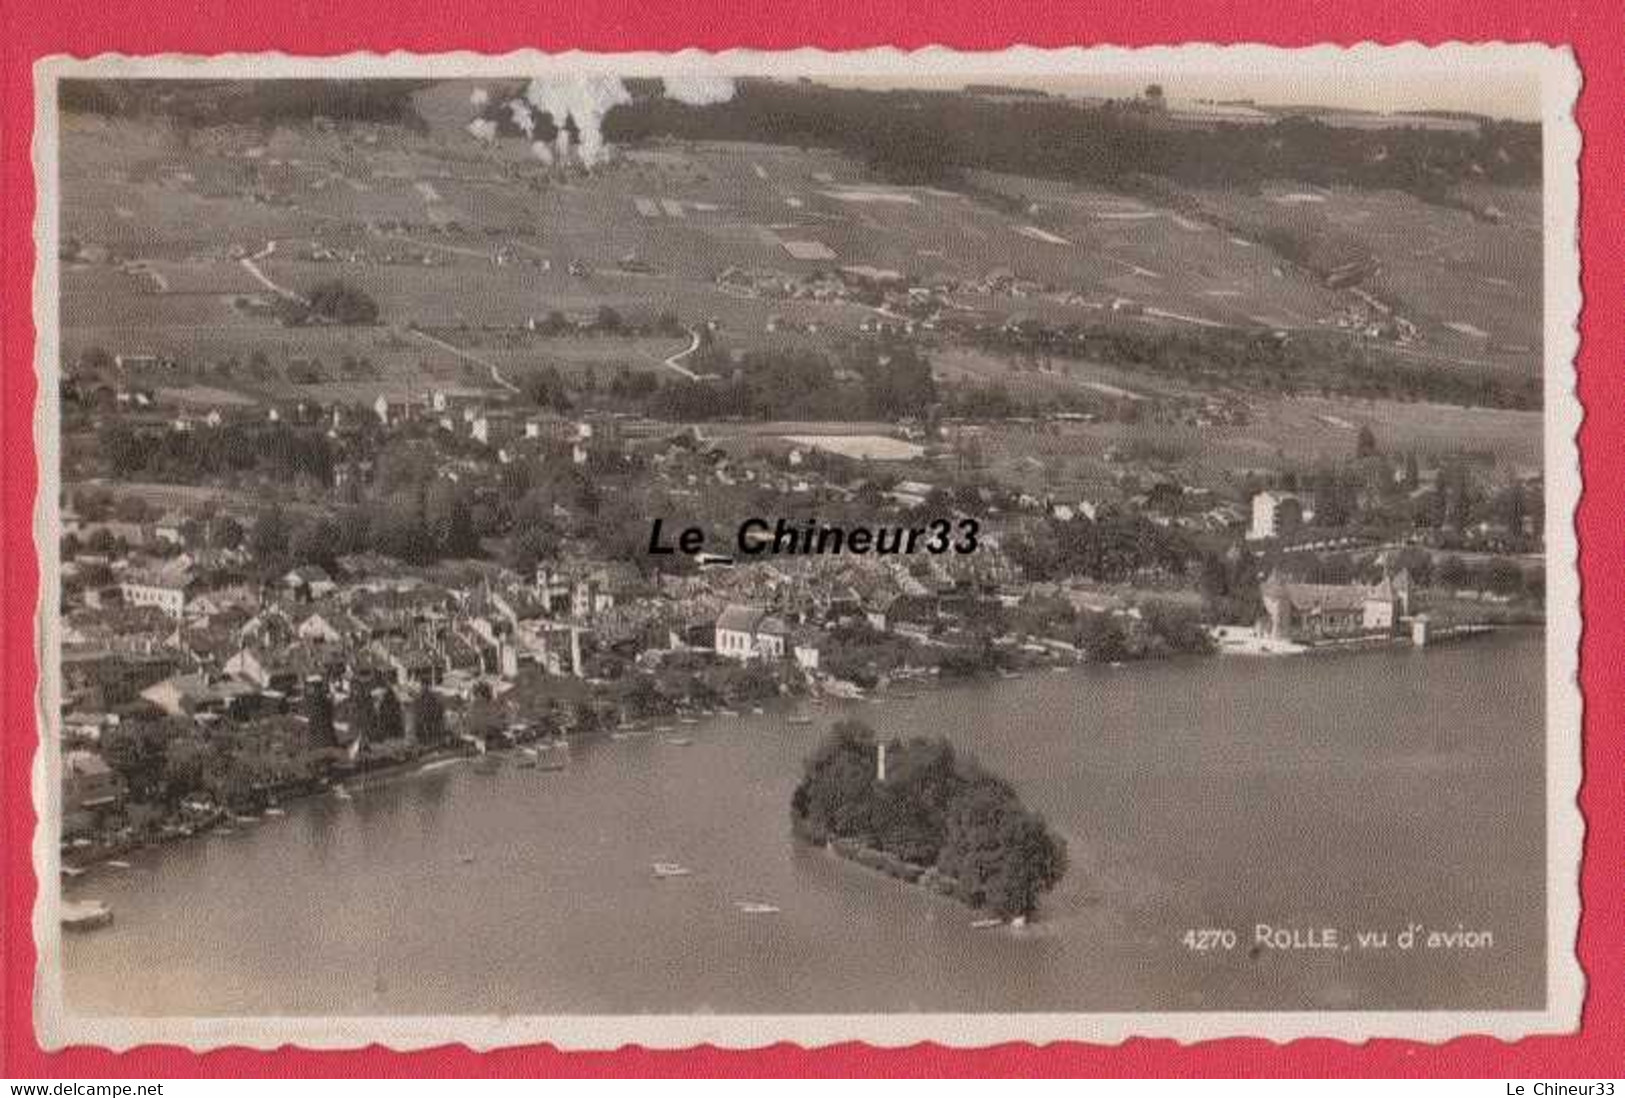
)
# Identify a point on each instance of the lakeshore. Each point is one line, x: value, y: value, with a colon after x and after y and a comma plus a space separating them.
x: 1429, y: 755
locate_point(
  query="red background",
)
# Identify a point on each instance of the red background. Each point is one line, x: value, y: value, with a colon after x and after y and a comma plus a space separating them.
x: 1594, y: 29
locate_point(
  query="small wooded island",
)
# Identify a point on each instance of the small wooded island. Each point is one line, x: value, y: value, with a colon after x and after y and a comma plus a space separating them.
x: 915, y: 811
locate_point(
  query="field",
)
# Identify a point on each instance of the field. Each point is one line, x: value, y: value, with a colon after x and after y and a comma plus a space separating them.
x: 1075, y: 460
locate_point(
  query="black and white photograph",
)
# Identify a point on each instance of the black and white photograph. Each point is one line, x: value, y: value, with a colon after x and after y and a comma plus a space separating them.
x: 756, y: 547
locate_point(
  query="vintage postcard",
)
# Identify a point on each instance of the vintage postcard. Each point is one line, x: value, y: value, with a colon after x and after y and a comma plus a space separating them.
x: 663, y: 549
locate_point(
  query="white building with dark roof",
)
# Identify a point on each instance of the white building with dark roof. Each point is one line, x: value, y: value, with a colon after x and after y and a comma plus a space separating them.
x: 746, y: 632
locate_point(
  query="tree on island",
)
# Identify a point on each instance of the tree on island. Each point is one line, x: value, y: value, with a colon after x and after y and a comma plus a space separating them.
x: 934, y: 815
x: 1001, y: 855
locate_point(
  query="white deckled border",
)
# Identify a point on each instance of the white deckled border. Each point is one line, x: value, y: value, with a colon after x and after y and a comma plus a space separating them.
x: 1559, y: 81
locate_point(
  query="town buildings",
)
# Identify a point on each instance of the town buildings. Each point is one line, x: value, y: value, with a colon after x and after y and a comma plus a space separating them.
x: 749, y: 632
x: 1308, y: 612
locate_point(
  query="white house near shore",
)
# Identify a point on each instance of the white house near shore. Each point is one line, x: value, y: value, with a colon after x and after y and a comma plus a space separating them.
x: 746, y: 632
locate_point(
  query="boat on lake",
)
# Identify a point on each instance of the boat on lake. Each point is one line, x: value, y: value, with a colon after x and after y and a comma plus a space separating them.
x: 342, y: 793
x: 670, y: 869
x: 756, y: 907
x: 756, y: 711
x: 799, y: 720
x: 118, y: 864
x: 679, y: 741
x: 275, y: 812
x: 986, y: 924
x: 85, y: 914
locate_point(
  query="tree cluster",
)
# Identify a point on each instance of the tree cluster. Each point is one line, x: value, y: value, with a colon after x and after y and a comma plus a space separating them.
x: 1112, y: 549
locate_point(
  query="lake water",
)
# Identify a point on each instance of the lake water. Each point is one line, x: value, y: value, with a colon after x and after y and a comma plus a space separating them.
x: 1362, y: 791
